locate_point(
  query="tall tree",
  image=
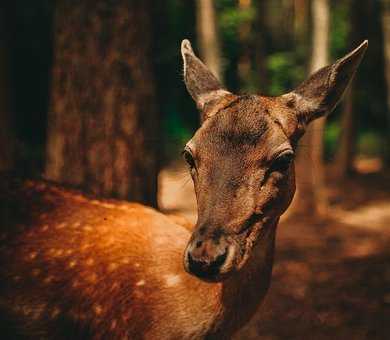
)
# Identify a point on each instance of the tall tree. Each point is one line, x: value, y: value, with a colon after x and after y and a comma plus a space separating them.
x: 311, y: 195
x: 386, y: 47
x: 102, y: 123
x: 208, y: 36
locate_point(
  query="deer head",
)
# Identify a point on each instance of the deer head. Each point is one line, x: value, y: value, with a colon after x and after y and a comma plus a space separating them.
x: 241, y: 159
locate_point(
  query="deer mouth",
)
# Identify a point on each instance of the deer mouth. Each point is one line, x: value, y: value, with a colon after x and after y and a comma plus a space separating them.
x: 215, y: 263
x: 249, y: 237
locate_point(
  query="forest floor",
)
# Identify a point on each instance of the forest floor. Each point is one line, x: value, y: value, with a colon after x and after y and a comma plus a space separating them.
x: 331, y: 277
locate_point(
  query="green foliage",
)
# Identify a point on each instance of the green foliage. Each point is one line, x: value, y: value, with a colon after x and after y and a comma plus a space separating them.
x: 370, y: 143
x: 340, y: 28
x: 283, y: 72
x: 331, y: 138
x: 231, y: 18
x: 176, y: 132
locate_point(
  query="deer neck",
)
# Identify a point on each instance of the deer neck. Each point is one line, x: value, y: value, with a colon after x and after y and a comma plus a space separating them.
x: 243, y: 293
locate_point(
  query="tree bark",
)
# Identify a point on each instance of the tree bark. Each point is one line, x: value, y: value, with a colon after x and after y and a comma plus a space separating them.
x: 102, y: 121
x: 208, y: 36
x: 386, y: 48
x: 311, y: 194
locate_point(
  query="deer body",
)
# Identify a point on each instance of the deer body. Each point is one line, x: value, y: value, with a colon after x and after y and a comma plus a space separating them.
x: 73, y: 267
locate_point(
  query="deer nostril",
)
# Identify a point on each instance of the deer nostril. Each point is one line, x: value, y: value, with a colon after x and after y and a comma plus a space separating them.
x: 206, y: 269
x: 198, y: 244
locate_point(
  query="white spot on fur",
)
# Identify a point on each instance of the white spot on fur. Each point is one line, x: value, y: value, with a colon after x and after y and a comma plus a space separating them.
x: 90, y: 261
x: 85, y: 246
x: 98, y: 309
x: 61, y: 225
x: 140, y: 283
x: 48, y: 279
x: 172, y: 280
x: 32, y: 255
x: 87, y: 228
x: 114, y: 286
x: 126, y: 260
x: 108, y: 205
x: 76, y: 224
x: 58, y: 252
x: 55, y: 312
x: 112, y: 267
x: 72, y: 264
x: 113, y: 324
x: 92, y: 278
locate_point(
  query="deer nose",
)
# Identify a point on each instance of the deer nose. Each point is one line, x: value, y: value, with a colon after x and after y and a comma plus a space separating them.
x: 206, y: 259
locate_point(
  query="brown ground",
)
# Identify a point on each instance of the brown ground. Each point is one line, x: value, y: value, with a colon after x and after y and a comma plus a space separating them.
x: 331, y: 278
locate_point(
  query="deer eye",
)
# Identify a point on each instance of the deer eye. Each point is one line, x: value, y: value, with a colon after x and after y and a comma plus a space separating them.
x: 189, y: 158
x: 282, y: 163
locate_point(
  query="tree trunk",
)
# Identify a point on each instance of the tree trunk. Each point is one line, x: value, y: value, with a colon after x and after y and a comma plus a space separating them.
x: 261, y: 48
x: 208, y: 36
x: 300, y: 21
x: 345, y: 152
x: 386, y: 48
x: 245, y: 59
x: 311, y: 195
x: 7, y: 138
x: 102, y: 120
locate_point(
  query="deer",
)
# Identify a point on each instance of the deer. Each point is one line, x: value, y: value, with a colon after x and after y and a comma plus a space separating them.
x: 78, y: 267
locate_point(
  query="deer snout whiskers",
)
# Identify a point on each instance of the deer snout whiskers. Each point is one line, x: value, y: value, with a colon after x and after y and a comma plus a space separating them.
x: 209, y: 259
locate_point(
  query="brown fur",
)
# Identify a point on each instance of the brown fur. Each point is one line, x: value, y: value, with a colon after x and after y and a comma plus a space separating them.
x: 78, y: 267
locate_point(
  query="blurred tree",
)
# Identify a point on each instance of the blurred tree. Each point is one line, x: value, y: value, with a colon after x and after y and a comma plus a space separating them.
x: 178, y: 115
x: 27, y: 39
x: 7, y: 138
x: 345, y: 152
x: 102, y: 121
x: 246, y: 48
x: 386, y: 48
x: 311, y: 195
x: 208, y: 36
x: 301, y: 9
x: 261, y: 47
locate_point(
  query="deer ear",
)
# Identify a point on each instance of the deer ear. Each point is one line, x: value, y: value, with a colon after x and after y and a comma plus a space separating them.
x: 201, y: 84
x: 321, y: 92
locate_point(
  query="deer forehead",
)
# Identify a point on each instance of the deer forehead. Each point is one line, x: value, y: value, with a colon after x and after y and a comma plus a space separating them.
x: 250, y: 127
